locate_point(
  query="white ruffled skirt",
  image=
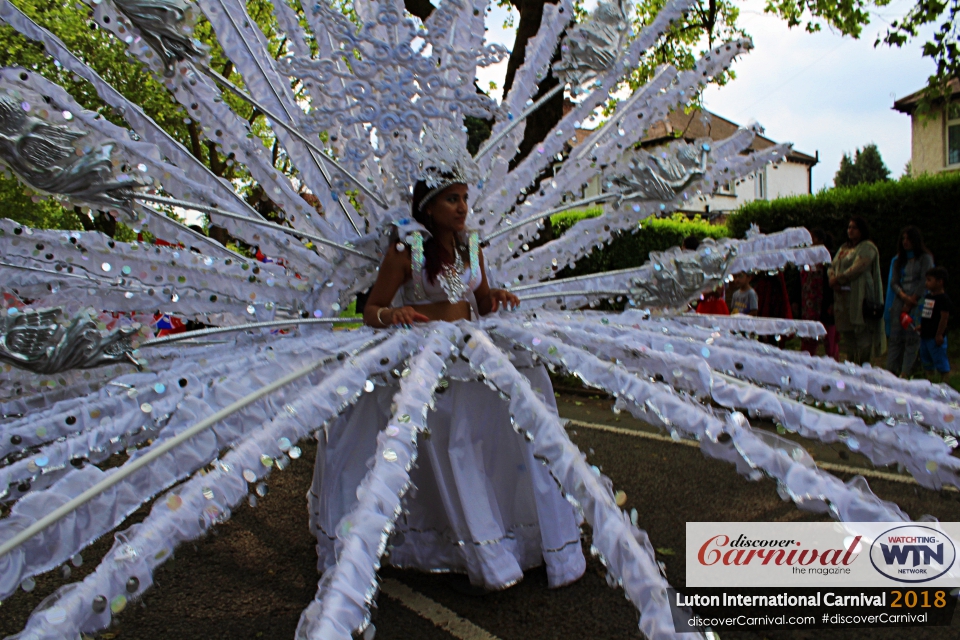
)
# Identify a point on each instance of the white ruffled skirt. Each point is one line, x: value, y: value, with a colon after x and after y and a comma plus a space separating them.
x: 480, y: 503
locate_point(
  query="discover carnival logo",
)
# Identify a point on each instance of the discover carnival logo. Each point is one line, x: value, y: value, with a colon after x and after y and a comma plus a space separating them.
x: 912, y: 553
x: 822, y: 554
x: 743, y: 551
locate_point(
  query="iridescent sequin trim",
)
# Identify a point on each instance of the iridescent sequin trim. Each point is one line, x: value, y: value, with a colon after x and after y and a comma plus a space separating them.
x: 415, y: 240
x: 451, y: 280
x: 473, y: 242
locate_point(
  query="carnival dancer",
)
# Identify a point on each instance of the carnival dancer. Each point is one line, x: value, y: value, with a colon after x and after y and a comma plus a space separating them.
x: 481, y: 503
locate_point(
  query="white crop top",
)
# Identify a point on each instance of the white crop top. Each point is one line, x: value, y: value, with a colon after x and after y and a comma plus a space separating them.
x: 433, y: 291
x: 419, y: 289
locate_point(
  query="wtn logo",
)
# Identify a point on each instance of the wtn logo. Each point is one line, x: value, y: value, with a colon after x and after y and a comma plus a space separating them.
x: 899, y: 553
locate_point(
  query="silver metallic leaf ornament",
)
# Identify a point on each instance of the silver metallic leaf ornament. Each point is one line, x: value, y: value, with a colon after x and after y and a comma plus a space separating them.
x: 676, y: 277
x: 663, y: 176
x: 39, y: 342
x: 161, y: 25
x: 591, y: 49
x: 45, y: 157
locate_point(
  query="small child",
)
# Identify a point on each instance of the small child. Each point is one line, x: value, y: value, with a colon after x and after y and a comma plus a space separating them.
x: 744, y: 298
x: 934, y: 314
x: 713, y: 303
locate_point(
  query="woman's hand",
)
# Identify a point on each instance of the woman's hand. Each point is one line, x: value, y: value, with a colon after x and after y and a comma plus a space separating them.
x: 502, y: 298
x: 833, y: 282
x: 405, y: 315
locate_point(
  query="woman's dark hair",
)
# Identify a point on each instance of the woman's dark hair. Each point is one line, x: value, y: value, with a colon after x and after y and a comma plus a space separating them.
x: 434, y: 256
x: 916, y: 240
x: 862, y: 226
x: 824, y: 237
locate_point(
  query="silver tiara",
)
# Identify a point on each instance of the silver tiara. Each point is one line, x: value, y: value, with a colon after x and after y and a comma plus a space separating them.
x: 444, y: 161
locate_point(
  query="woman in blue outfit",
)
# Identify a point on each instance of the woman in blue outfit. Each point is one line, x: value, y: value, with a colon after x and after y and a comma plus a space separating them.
x: 910, y: 265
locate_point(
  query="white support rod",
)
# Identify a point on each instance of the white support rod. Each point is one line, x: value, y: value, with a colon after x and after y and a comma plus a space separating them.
x: 243, y: 95
x: 283, y: 105
x: 566, y: 294
x: 659, y: 80
x: 490, y: 144
x: 262, y: 223
x: 199, y: 236
x: 122, y: 473
x: 546, y: 214
x: 588, y: 276
x: 58, y: 274
x: 201, y: 333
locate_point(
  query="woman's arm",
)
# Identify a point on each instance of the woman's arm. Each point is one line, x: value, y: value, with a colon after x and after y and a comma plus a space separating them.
x: 489, y: 300
x: 895, y: 272
x: 912, y: 297
x: 394, y: 271
x: 833, y: 269
x: 866, y: 256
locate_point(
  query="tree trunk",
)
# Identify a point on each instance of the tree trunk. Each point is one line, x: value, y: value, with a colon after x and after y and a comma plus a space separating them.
x: 531, y: 14
x: 84, y: 219
x: 537, y: 128
x: 420, y: 8
x: 105, y: 223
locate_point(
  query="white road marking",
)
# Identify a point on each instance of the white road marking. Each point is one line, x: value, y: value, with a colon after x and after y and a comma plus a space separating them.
x: 434, y: 612
x: 826, y: 466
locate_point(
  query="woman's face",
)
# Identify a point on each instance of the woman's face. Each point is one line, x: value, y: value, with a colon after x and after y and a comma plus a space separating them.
x: 905, y: 241
x: 448, y: 209
x: 853, y: 231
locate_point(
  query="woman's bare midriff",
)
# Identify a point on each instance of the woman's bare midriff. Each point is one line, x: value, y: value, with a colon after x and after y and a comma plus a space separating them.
x: 449, y: 312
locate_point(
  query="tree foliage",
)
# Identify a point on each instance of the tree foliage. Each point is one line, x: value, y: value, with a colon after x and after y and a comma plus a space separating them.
x: 708, y: 22
x: 866, y: 167
x: 849, y: 17
x: 943, y: 49
x: 108, y: 56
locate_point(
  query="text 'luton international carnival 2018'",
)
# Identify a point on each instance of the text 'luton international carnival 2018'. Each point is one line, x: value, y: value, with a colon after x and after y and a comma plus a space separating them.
x: 817, y: 575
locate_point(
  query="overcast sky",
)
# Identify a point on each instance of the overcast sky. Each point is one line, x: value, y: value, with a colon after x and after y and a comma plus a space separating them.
x: 822, y: 92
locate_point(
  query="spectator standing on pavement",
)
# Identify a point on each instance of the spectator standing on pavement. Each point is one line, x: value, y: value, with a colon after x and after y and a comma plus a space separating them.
x: 907, y: 279
x: 713, y: 303
x: 816, y: 301
x: 743, y: 300
x: 934, y: 315
x: 855, y: 279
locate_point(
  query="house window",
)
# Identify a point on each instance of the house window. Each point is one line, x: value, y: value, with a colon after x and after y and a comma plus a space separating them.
x: 953, y: 133
x: 761, y: 187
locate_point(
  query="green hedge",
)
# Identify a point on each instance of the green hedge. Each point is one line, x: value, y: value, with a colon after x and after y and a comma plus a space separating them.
x: 632, y: 249
x: 930, y: 202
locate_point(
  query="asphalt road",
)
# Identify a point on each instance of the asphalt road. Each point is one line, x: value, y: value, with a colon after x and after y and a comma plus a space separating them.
x: 253, y: 576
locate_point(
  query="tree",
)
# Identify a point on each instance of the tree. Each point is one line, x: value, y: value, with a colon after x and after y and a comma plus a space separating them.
x: 847, y: 175
x: 708, y: 22
x: 943, y: 49
x: 108, y: 56
x: 866, y: 167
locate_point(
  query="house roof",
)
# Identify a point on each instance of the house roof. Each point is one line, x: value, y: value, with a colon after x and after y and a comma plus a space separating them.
x: 909, y: 103
x: 701, y: 123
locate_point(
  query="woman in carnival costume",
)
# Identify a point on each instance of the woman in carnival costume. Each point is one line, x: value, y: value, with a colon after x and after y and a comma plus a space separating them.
x: 482, y: 504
